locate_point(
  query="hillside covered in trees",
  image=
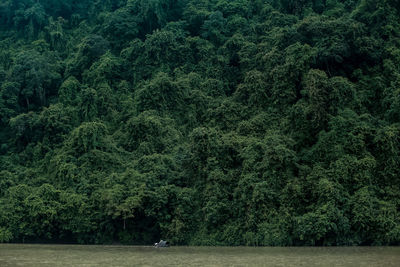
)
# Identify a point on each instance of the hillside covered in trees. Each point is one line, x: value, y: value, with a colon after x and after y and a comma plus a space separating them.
x: 204, y: 122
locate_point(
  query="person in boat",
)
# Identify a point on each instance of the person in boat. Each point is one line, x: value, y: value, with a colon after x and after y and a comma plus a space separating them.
x: 162, y: 244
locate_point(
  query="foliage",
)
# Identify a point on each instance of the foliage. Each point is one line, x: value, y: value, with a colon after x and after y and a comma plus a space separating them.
x: 204, y: 122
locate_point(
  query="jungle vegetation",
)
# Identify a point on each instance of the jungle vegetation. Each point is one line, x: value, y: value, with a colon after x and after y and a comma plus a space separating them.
x: 203, y: 122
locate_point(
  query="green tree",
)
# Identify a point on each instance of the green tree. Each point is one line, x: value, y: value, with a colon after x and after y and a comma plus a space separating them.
x: 36, y: 75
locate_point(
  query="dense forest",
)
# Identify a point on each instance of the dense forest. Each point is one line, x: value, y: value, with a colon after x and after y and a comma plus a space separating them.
x: 204, y: 122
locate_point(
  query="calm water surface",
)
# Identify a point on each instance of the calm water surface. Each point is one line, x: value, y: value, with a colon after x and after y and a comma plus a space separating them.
x: 72, y: 255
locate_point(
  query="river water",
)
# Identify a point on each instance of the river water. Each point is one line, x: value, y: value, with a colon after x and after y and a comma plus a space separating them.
x: 77, y: 255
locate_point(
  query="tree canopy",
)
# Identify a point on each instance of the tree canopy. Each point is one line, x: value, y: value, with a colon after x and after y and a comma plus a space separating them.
x: 204, y: 122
